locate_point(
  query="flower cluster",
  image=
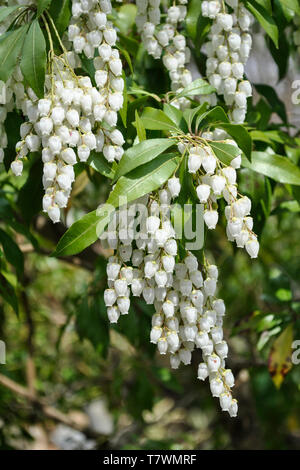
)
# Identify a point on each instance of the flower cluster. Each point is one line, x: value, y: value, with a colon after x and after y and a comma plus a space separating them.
x: 74, y: 117
x: 188, y: 315
x: 214, y: 180
x: 90, y: 32
x: 227, y: 52
x: 65, y: 120
x: 165, y: 40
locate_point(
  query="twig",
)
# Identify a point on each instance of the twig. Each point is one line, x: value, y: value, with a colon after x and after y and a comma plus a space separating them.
x: 48, y: 411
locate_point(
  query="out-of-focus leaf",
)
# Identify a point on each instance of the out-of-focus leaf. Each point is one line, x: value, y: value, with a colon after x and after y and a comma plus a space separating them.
x: 31, y: 193
x: 265, y: 19
x: 12, y: 252
x: 280, y: 362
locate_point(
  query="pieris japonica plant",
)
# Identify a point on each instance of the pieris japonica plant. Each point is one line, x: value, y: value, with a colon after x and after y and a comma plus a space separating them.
x: 150, y: 102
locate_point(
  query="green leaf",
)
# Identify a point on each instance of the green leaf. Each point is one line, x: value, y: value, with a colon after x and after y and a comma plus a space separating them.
x: 140, y: 129
x: 240, y: 135
x: 8, y: 293
x: 189, y: 114
x: 60, y: 10
x: 279, y: 168
x: 42, y: 5
x: 126, y: 17
x: 224, y: 152
x: 99, y: 163
x: 280, y: 360
x: 12, y: 252
x: 155, y: 119
x: 141, y: 153
x: 12, y: 127
x: 197, y: 87
x: 144, y: 179
x: 10, y: 47
x: 81, y: 234
x: 173, y: 113
x: 272, y: 98
x: 211, y: 116
x: 292, y: 5
x: 197, y: 26
x: 6, y: 11
x: 34, y: 59
x: 31, y: 194
x: 265, y: 19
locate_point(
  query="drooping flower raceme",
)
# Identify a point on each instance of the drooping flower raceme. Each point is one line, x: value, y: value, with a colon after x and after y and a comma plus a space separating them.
x: 91, y: 33
x: 228, y: 50
x: 188, y: 315
x: 214, y: 180
x: 74, y: 118
x: 63, y: 124
x: 166, y: 41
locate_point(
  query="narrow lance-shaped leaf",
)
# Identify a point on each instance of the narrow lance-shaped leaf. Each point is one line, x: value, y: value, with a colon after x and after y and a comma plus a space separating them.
x: 224, y: 152
x: 6, y: 11
x: 140, y: 129
x: 81, y: 234
x: 279, y: 168
x: 155, y: 119
x: 142, y: 153
x: 34, y: 58
x: 10, y: 47
x: 240, y: 135
x: 99, y: 163
x: 265, y: 19
x: 144, y: 179
x: 197, y: 87
x: 88, y: 229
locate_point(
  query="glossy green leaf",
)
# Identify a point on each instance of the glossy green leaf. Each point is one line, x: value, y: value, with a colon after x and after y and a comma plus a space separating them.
x: 240, y: 135
x: 60, y: 11
x: 197, y: 87
x: 34, y: 58
x: 224, y: 152
x: 279, y: 168
x: 6, y: 11
x: 42, y: 5
x: 173, y: 113
x: 155, y: 119
x: 144, y: 179
x: 81, y: 234
x: 10, y: 47
x: 142, y: 153
x: 140, y: 129
x: 211, y: 116
x: 265, y: 19
x: 99, y: 163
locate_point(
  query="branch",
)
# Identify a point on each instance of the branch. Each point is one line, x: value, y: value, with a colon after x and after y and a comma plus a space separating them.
x: 48, y: 411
